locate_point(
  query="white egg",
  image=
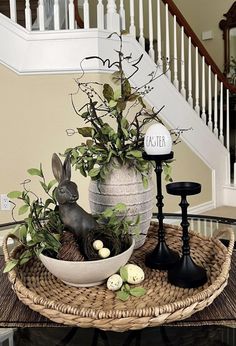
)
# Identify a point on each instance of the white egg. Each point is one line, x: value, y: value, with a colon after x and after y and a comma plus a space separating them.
x: 157, y: 140
x: 135, y: 274
x: 104, y: 252
x: 114, y: 282
x: 97, y: 244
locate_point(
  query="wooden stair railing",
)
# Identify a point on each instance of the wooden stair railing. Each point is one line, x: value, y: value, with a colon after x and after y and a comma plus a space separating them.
x: 197, y: 43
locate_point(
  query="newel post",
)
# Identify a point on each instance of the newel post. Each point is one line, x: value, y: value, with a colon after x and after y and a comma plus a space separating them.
x: 112, y: 18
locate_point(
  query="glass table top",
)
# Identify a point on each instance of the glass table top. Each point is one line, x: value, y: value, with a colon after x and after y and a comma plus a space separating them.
x: 202, y: 224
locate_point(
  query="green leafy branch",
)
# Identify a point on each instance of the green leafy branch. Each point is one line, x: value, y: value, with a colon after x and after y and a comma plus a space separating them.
x: 42, y: 225
x: 115, y: 220
x: 125, y: 141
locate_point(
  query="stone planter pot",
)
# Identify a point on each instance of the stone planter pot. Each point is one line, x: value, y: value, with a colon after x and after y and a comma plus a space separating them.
x: 124, y: 185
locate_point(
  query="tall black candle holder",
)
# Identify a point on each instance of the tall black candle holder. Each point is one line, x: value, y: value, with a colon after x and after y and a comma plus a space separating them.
x: 161, y: 257
x: 185, y: 273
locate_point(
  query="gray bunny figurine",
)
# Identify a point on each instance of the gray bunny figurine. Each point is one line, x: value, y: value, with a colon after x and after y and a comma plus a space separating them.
x: 72, y: 215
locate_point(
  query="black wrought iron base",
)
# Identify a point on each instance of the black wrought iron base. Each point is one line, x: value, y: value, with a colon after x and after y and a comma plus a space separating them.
x: 161, y: 257
x: 187, y: 274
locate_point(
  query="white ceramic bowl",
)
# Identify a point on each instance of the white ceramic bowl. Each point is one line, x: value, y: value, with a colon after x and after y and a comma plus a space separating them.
x: 86, y: 273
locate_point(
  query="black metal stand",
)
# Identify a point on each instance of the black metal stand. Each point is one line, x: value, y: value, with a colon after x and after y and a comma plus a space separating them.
x: 185, y: 273
x: 161, y: 257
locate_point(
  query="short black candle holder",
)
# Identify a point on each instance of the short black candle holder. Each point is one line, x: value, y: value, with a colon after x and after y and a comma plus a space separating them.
x: 161, y: 257
x: 185, y: 273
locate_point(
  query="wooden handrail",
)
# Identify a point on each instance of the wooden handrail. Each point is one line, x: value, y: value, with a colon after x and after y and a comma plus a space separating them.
x: 197, y: 43
x: 78, y: 19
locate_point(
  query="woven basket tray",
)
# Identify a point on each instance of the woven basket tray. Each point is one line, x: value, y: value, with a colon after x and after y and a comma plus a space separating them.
x: 98, y: 307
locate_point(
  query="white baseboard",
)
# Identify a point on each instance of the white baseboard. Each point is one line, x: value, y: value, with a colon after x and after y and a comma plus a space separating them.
x: 200, y: 208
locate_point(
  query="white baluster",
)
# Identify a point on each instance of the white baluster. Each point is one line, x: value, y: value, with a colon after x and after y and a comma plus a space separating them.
x: 215, y: 109
x: 100, y: 15
x: 205, y: 228
x: 41, y: 15
x: 211, y: 228
x: 192, y: 224
x: 234, y: 173
x: 56, y: 15
x: 209, y: 99
x: 203, y: 91
x: 141, y: 36
x: 190, y: 98
x: 86, y: 14
x: 228, y: 138
x: 175, y: 80
x: 221, y: 137
x: 28, y: 16
x: 168, y: 73
x: 159, y: 56
x: 71, y: 15
x: 227, y: 120
x: 13, y: 14
x: 197, y: 108
x: 132, y: 29
x: 182, y: 90
x: 151, y: 50
x: 122, y: 15
x: 66, y: 15
x: 112, y: 17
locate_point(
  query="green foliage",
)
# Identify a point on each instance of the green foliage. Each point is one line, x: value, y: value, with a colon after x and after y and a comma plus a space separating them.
x: 42, y: 225
x: 124, y: 141
x: 115, y: 219
x: 167, y: 171
x: 126, y: 290
x: 124, y: 274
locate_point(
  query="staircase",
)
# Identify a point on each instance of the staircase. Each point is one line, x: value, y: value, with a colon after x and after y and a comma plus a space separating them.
x: 186, y: 71
x: 20, y: 10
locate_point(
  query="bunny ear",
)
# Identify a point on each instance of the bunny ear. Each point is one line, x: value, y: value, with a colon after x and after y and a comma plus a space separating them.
x: 57, y: 167
x: 67, y: 167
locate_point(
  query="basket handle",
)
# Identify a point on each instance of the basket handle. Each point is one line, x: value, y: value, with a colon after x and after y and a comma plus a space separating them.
x: 5, y: 248
x: 230, y: 233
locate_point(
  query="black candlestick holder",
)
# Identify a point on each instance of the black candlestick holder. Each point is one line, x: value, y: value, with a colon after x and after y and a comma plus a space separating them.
x: 185, y: 273
x: 162, y: 257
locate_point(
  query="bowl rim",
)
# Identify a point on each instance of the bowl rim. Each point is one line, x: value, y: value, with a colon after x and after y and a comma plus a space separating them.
x: 56, y: 260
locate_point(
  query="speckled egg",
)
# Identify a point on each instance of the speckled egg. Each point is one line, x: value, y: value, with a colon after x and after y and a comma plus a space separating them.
x: 135, y: 274
x: 114, y: 282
